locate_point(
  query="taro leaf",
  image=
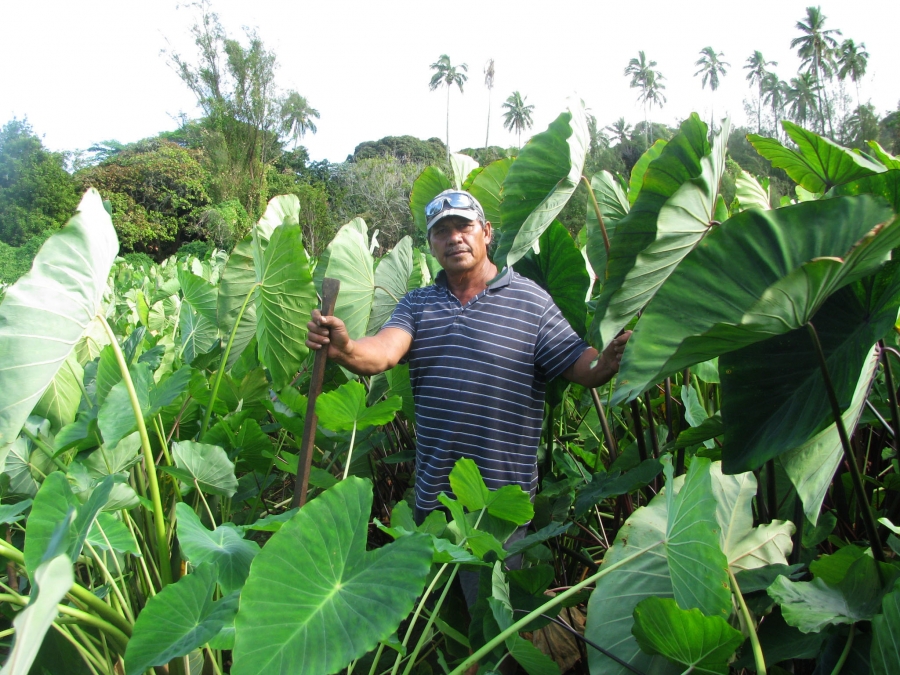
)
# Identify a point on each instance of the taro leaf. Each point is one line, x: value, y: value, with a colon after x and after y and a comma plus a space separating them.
x: 180, y: 618
x: 811, y: 466
x: 271, y: 523
x: 15, y: 465
x: 613, y: 484
x: 430, y: 183
x: 818, y: 164
x: 886, y: 636
x: 485, y: 186
x: 13, y: 513
x: 760, y: 274
x: 883, y: 156
x: 349, y: 261
x: 199, y: 294
x: 238, y: 281
x: 462, y: 166
x: 110, y: 533
x: 749, y: 193
x: 52, y: 581
x: 59, y: 404
x: 540, y: 183
x: 391, y: 283
x: 508, y: 503
x: 116, y: 417
x: 168, y: 390
x: 709, y: 428
x: 51, y: 506
x: 702, y: 643
x: 113, y: 462
x: 813, y: 605
x: 652, y: 531
x: 632, y: 277
x: 285, y: 299
x: 223, y: 547
x: 885, y: 184
x: 281, y: 210
x: 698, y: 568
x: 108, y: 374
x: 746, y: 547
x: 639, y: 170
x: 614, y: 206
x: 795, y: 407
x: 314, y: 580
x: 92, y: 342
x: 198, y: 334
x: 399, y: 385
x: 45, y: 313
x: 207, y: 464
x: 345, y: 408
x: 559, y: 269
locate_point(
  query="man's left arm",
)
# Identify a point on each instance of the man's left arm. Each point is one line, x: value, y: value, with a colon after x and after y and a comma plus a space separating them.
x: 593, y: 369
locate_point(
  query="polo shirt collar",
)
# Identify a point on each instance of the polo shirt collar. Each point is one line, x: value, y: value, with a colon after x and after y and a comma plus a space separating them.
x: 502, y: 279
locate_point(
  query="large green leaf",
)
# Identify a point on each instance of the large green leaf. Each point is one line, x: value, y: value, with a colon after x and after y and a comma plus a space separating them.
x: 285, y: 299
x: 760, y: 274
x: 199, y: 294
x: 746, y: 547
x: 345, y: 408
x: 238, y: 281
x: 749, y: 193
x: 52, y: 581
x: 348, y: 260
x: 702, y: 643
x: 430, y: 183
x: 486, y: 184
x: 540, y: 183
x: 559, y: 269
x: 508, y: 503
x: 108, y: 533
x: 198, y: 334
x: 614, y: 206
x: 818, y: 163
x: 796, y: 407
x: 315, y: 580
x: 206, y: 464
x: 59, y: 404
x: 116, y: 417
x: 680, y: 161
x: 639, y: 170
x: 45, y: 313
x: 811, y: 466
x: 655, y: 531
x: 462, y: 166
x: 392, y: 277
x: 885, y: 184
x: 886, y: 636
x: 281, y: 210
x: 16, y: 462
x: 224, y: 547
x: 180, y: 618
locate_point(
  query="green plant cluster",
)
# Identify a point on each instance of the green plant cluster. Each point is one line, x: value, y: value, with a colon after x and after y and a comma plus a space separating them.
x: 708, y: 511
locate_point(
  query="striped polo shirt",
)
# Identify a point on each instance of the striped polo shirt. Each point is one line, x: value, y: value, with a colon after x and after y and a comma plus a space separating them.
x: 478, y: 377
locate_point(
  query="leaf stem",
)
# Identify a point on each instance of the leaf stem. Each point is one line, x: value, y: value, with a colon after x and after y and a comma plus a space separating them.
x: 224, y: 363
x: 751, y: 626
x: 531, y: 616
x: 599, y: 216
x: 159, y: 521
x: 864, y: 506
x: 844, y: 654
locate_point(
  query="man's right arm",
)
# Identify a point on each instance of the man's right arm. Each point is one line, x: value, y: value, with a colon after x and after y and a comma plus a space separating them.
x: 368, y: 355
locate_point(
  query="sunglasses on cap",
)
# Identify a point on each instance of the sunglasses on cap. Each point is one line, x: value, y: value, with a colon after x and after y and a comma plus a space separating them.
x: 452, y: 200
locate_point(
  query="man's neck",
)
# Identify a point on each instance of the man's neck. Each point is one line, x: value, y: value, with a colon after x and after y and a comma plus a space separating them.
x: 466, y: 285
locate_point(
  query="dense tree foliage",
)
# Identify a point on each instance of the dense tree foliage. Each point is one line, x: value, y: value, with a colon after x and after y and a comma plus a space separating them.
x: 404, y: 148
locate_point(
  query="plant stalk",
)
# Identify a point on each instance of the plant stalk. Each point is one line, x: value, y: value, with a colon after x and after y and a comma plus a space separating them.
x: 159, y: 522
x: 611, y: 445
x: 751, y: 626
x: 864, y: 506
x: 892, y: 393
x: 599, y: 217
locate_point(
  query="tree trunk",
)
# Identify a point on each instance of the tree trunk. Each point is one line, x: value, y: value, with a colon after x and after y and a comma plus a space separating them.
x: 448, y: 124
x: 488, y: 132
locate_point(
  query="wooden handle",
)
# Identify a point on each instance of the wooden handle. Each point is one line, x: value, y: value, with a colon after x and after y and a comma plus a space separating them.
x: 330, y: 288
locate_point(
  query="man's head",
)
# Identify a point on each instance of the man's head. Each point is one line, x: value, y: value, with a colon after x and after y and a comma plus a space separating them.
x: 457, y: 231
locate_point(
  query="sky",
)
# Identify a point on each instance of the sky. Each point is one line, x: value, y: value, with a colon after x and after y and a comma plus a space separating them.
x: 94, y: 70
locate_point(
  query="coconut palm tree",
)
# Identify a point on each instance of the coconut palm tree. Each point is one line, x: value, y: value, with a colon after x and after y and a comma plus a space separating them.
x: 517, y: 115
x: 757, y: 65
x: 447, y: 74
x: 774, y: 92
x: 489, y: 83
x: 297, y: 116
x: 852, y: 61
x: 802, y: 96
x: 816, y: 47
x: 711, y: 66
x: 649, y: 81
x: 620, y: 130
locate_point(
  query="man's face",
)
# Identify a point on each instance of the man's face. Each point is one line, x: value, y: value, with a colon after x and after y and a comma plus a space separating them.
x: 459, y: 244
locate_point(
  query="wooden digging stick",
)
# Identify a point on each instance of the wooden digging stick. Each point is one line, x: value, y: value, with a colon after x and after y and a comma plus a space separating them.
x: 330, y: 288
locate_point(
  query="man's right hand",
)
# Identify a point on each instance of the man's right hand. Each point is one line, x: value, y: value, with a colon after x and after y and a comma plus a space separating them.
x: 330, y: 332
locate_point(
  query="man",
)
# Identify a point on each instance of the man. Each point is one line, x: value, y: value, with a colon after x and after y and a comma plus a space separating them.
x: 481, y: 347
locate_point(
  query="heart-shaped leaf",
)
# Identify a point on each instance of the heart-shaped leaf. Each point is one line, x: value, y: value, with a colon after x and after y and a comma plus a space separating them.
x: 345, y: 408
x: 430, y: 183
x: 207, y: 464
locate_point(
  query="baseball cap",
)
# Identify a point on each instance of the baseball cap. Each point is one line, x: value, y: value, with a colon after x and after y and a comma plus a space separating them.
x: 453, y: 203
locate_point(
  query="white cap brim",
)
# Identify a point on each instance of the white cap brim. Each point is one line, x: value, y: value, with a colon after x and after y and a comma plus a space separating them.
x: 468, y: 214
